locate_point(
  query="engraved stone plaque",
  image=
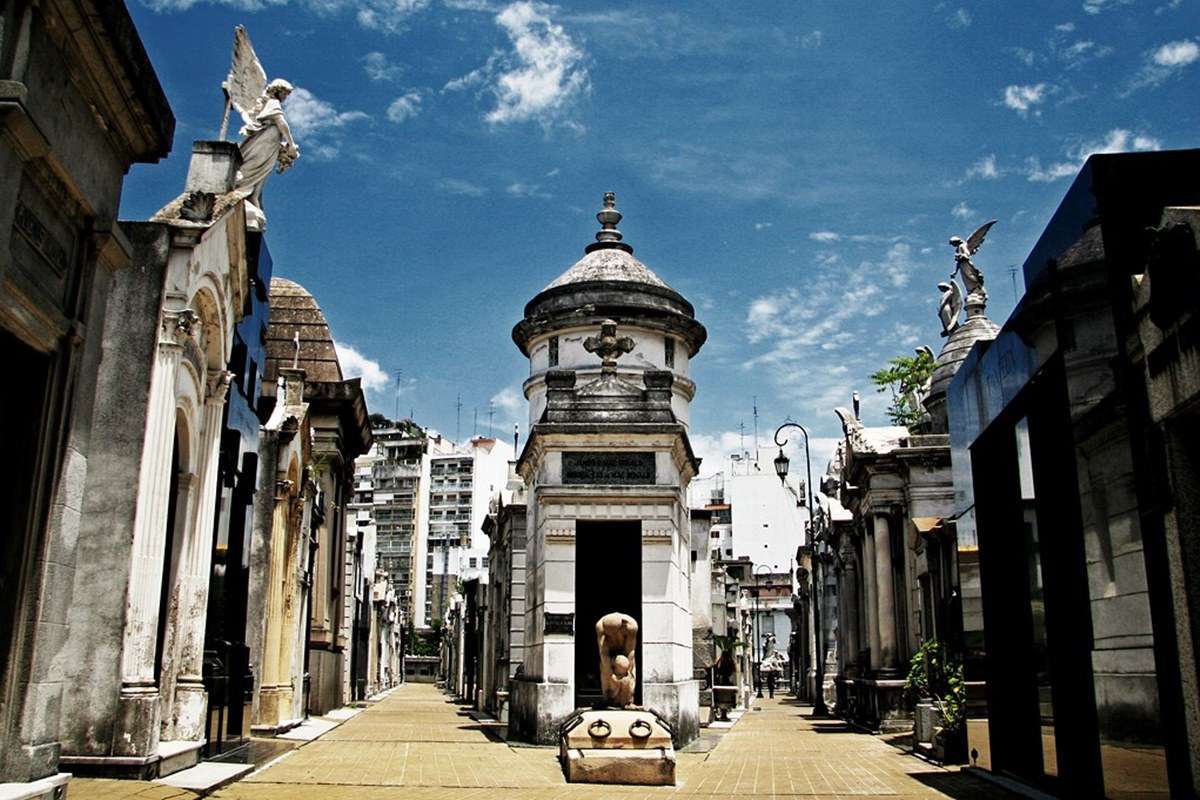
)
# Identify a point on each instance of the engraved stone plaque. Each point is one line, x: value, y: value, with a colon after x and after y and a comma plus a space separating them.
x: 608, y: 468
x: 559, y: 623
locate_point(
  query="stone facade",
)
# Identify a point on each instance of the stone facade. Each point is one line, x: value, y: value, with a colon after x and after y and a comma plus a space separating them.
x: 336, y: 416
x: 1072, y: 491
x: 65, y: 146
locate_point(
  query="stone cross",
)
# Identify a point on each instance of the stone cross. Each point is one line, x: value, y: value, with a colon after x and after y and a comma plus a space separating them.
x: 608, y: 345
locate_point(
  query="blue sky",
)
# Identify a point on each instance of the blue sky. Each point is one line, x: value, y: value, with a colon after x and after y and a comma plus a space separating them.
x: 793, y: 168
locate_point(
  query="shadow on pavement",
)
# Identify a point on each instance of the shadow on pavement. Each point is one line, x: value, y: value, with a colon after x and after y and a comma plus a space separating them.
x: 962, y: 785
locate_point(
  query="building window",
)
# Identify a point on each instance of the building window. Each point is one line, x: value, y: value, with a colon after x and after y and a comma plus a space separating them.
x: 473, y: 562
x: 554, y: 351
x: 669, y: 352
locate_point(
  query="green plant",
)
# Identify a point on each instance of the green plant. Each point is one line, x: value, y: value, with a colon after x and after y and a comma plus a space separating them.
x: 937, y: 674
x: 904, y: 376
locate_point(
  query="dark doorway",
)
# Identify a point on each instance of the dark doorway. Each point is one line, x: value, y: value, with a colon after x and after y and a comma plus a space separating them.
x: 168, y: 576
x: 608, y: 578
x: 22, y: 424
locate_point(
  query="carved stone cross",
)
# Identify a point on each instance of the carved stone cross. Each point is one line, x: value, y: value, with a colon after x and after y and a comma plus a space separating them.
x: 608, y: 345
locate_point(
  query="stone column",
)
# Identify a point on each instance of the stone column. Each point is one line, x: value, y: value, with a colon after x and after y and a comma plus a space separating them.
x: 885, y: 594
x: 138, y: 690
x: 191, y: 701
x: 295, y: 544
x: 269, y: 708
x: 869, y: 592
x: 848, y: 597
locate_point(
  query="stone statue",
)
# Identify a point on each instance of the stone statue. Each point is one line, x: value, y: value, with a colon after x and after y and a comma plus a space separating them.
x: 268, y: 142
x: 950, y: 305
x: 972, y: 278
x: 616, y: 636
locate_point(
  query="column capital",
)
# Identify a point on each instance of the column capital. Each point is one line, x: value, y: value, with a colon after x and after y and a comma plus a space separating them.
x: 177, y: 325
x: 218, y: 386
x: 284, y: 489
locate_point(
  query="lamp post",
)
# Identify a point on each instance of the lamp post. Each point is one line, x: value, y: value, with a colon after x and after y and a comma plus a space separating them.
x: 781, y: 469
x: 758, y: 630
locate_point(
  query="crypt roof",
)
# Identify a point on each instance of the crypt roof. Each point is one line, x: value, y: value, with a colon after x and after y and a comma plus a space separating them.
x: 609, y: 282
x: 295, y: 311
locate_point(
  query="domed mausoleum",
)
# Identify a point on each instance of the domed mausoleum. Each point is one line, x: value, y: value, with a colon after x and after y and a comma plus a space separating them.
x: 606, y: 467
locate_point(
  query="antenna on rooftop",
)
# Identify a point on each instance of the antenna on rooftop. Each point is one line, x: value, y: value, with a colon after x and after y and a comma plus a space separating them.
x: 458, y: 417
x: 755, y: 430
x: 1012, y: 273
x: 399, y: 372
x: 475, y: 424
x: 491, y: 413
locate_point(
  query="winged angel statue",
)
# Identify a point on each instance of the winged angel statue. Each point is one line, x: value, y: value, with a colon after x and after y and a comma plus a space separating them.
x: 951, y: 304
x: 268, y: 142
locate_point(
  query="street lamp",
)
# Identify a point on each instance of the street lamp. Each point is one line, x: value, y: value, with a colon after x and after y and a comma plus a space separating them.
x: 781, y: 469
x: 758, y: 630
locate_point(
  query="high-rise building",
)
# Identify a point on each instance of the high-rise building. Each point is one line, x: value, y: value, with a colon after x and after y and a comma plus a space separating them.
x: 389, y: 493
x: 461, y: 480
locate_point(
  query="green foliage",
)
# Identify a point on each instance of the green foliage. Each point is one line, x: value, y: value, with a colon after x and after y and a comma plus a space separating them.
x: 937, y: 674
x: 727, y: 644
x: 904, y: 376
x: 424, y: 643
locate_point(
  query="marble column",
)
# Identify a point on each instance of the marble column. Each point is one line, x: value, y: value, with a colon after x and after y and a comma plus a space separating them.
x: 869, y: 588
x: 139, y: 691
x: 292, y: 621
x: 848, y: 597
x: 885, y: 594
x: 191, y: 701
x: 270, y: 710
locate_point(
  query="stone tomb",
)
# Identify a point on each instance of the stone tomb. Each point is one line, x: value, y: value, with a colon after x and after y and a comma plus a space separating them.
x: 607, y: 468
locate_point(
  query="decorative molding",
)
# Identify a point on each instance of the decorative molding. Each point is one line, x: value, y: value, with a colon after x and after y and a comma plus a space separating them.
x: 218, y: 386
x: 177, y: 326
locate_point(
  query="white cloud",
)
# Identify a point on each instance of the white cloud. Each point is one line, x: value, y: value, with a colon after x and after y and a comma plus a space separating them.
x: 379, y: 68
x: 961, y: 18
x: 317, y: 123
x: 389, y: 16
x: 1024, y: 55
x: 1177, y: 54
x: 307, y: 113
x: 812, y: 40
x: 824, y: 236
x: 540, y: 78
x: 1097, y: 6
x: 405, y: 107
x: 458, y: 186
x: 356, y: 365
x: 897, y: 263
x: 906, y: 334
x: 523, y: 189
x: 1117, y: 140
x: 1022, y: 98
x: 510, y: 400
x: 1162, y: 63
x: 984, y: 168
x: 1065, y: 27
x: 762, y: 226
x: 962, y: 211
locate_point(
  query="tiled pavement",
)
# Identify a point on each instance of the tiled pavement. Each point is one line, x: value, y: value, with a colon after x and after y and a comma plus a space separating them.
x: 418, y: 740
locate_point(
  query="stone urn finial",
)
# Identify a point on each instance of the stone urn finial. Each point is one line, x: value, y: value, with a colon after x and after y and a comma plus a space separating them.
x: 608, y: 236
x: 608, y: 345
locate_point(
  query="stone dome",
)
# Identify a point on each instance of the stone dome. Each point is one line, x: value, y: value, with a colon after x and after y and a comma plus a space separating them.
x: 295, y: 311
x: 608, y: 264
x: 609, y: 283
x: 976, y: 328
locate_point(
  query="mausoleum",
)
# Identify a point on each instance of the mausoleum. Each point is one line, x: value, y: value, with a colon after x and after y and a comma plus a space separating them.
x: 606, y: 467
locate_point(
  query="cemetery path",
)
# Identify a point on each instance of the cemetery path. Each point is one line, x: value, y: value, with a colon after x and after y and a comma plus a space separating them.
x: 417, y: 739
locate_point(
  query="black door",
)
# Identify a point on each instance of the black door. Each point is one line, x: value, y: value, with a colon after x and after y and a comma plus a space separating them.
x: 608, y: 578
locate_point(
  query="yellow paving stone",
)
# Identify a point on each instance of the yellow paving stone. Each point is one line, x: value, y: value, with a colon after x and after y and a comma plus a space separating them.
x: 418, y: 740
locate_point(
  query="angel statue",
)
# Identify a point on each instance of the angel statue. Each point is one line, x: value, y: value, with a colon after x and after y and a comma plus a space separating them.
x: 971, y: 276
x: 268, y: 142
x: 950, y: 305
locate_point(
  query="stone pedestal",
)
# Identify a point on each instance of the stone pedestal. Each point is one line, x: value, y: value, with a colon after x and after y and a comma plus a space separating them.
x: 622, y: 746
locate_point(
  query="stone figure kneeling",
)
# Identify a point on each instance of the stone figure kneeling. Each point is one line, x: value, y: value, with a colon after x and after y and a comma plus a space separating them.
x: 616, y: 636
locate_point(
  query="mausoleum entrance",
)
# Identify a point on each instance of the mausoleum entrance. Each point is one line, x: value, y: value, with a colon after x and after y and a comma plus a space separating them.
x: 617, y: 586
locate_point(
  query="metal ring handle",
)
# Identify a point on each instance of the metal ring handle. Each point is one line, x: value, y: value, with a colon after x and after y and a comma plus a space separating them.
x: 599, y: 729
x: 640, y: 724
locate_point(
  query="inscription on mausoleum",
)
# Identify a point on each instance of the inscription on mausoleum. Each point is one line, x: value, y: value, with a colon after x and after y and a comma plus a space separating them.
x: 607, y: 468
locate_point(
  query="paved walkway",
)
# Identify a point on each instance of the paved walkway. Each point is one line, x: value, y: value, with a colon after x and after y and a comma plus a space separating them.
x: 418, y: 740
